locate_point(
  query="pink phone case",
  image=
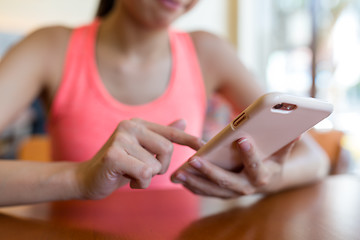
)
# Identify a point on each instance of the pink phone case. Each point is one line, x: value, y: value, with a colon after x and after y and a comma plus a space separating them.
x: 271, y: 122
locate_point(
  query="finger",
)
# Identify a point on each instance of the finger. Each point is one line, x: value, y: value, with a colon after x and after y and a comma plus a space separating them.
x: 134, y: 149
x: 134, y: 132
x: 161, y: 147
x: 118, y: 162
x: 253, y: 165
x: 174, y: 135
x: 179, y: 124
x: 225, y: 179
x: 201, y: 186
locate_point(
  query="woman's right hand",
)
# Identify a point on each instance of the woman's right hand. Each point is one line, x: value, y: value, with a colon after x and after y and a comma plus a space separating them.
x: 135, y: 152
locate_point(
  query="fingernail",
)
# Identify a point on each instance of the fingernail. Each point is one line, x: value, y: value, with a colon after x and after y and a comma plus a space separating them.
x: 180, y: 177
x: 195, y: 162
x: 244, y: 144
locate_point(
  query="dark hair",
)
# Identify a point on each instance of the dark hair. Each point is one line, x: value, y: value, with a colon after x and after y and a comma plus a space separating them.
x: 105, y: 6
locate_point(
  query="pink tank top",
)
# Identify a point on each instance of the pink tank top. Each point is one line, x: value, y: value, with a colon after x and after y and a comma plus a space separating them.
x: 84, y: 114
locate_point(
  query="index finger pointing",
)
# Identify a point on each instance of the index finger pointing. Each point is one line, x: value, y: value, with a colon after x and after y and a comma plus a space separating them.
x: 175, y: 135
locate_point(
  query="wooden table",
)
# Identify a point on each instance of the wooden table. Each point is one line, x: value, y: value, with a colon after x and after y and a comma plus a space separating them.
x: 327, y: 210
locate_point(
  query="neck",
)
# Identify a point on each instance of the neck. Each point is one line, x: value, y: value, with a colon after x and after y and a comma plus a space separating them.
x: 128, y: 37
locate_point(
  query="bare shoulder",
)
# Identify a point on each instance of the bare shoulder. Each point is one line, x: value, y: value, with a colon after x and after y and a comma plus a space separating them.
x: 214, y: 52
x: 38, y: 52
x: 208, y: 44
x: 206, y: 37
x: 217, y: 58
x: 56, y: 33
x: 41, y: 55
x: 223, y: 70
x: 49, y: 40
x: 43, y: 46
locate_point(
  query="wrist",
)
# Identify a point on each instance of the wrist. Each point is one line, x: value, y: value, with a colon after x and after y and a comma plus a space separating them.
x: 70, y: 176
x: 80, y: 180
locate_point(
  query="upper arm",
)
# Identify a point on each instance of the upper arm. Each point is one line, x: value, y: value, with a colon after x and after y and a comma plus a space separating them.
x: 224, y: 72
x: 25, y: 71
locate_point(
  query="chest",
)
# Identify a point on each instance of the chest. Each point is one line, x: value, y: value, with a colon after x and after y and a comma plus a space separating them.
x: 135, y: 81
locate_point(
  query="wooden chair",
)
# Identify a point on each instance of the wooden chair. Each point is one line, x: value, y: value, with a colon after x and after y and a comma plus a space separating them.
x: 35, y: 148
x: 330, y: 141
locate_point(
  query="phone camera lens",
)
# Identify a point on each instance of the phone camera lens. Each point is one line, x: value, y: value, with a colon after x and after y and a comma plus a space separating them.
x: 278, y: 106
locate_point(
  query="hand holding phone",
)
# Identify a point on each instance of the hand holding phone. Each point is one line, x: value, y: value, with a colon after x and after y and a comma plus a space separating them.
x: 270, y: 123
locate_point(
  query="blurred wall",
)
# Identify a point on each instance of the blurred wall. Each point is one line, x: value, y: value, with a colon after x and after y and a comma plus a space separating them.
x: 23, y: 16
x: 208, y: 15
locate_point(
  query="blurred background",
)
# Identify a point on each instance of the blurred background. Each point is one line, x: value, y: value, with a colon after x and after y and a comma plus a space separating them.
x: 304, y: 47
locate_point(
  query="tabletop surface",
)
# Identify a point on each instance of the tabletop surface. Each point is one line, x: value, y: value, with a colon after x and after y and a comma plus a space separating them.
x: 325, y: 210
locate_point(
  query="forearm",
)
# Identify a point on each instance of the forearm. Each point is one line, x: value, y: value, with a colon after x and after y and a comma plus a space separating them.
x: 25, y: 182
x: 307, y: 163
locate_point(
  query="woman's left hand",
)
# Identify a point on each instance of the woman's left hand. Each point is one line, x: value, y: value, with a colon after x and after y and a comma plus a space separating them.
x: 257, y: 175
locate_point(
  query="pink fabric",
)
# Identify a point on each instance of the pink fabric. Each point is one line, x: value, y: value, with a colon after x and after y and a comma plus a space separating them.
x: 84, y: 114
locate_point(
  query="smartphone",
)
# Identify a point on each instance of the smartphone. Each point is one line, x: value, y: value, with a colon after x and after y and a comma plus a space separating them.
x: 271, y: 122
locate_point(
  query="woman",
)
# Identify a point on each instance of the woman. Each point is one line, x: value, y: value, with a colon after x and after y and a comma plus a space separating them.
x: 117, y: 93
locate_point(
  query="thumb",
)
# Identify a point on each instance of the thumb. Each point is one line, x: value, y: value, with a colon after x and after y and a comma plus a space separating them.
x: 179, y: 124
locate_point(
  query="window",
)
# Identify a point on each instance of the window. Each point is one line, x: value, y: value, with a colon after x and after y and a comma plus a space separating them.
x: 310, y: 48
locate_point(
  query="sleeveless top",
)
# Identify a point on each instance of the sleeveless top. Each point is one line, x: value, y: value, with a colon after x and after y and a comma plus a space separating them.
x: 84, y: 114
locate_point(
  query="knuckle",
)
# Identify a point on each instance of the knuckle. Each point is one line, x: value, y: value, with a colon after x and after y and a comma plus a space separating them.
x: 111, y: 155
x: 122, y: 138
x: 145, y: 173
x: 132, y: 125
x: 224, y: 183
x: 173, y: 134
x: 136, y: 120
x: 125, y: 125
x: 137, y: 124
x: 167, y: 147
x: 119, y: 137
x: 253, y: 165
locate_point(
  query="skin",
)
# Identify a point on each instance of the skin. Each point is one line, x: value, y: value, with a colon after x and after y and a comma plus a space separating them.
x: 129, y: 39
